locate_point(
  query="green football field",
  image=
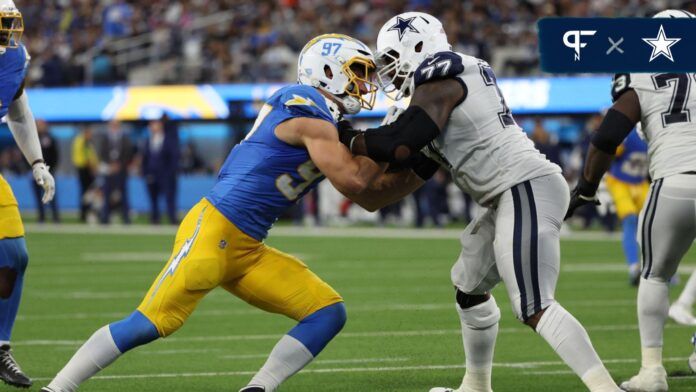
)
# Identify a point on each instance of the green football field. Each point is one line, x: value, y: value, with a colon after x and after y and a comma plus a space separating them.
x: 402, y: 332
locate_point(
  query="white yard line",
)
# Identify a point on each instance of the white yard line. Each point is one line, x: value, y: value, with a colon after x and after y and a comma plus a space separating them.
x: 351, y: 309
x: 522, y: 365
x: 295, y: 231
x: 344, y: 335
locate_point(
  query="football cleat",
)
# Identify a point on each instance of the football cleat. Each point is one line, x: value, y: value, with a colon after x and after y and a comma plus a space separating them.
x: 10, y: 372
x: 439, y: 389
x: 681, y: 314
x: 692, y: 358
x: 47, y: 389
x: 253, y: 388
x: 652, y: 379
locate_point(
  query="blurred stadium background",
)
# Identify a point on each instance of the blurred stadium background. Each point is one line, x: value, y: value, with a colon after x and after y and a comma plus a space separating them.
x: 204, y: 67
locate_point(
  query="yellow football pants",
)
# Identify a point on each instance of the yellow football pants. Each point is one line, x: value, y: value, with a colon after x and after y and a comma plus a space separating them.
x: 628, y: 198
x: 10, y: 221
x: 210, y: 251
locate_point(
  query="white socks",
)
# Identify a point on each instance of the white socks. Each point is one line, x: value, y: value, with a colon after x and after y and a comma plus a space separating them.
x: 288, y: 357
x: 98, y: 352
x: 569, y: 339
x: 479, y: 332
x: 688, y: 295
x: 653, y: 307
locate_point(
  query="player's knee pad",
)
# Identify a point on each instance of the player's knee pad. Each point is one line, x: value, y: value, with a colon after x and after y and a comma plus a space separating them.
x: 316, y: 330
x: 481, y: 316
x: 135, y: 330
x: 466, y: 301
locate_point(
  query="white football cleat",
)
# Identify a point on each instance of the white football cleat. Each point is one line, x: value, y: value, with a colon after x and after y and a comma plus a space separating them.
x: 652, y: 379
x: 692, y: 358
x: 681, y: 314
x: 440, y: 389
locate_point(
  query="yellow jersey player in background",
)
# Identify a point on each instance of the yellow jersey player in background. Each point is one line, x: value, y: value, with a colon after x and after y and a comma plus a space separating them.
x: 14, y: 106
x: 291, y: 147
x: 627, y: 182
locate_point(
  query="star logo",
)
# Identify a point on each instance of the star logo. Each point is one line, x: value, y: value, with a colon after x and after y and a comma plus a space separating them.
x: 661, y: 45
x: 402, y: 25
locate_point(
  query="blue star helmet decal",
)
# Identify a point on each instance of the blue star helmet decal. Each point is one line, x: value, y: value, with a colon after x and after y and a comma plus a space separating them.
x: 402, y: 25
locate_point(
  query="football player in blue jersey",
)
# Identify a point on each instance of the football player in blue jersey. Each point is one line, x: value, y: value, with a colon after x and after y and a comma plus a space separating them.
x: 291, y: 147
x: 627, y: 182
x: 14, y: 105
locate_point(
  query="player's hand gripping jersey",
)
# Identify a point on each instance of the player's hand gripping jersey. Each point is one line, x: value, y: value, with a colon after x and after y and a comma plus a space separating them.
x: 667, y: 104
x: 485, y: 149
x: 263, y: 175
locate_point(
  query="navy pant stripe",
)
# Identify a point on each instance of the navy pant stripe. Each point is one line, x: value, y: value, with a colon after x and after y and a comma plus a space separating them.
x: 648, y: 264
x: 643, y: 228
x: 517, y: 251
x: 533, y: 247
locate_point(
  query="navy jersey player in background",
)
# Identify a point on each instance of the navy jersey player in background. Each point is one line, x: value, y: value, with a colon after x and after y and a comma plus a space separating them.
x: 14, y: 107
x: 291, y: 147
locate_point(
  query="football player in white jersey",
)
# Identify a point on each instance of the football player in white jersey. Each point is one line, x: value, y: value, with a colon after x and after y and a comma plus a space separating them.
x: 458, y: 117
x: 667, y: 226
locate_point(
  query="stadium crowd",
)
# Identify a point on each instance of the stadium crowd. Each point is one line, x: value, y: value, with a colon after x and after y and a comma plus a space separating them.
x: 73, y: 41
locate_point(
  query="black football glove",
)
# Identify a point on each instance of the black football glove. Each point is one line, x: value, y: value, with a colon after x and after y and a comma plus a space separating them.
x: 346, y: 133
x: 584, y: 193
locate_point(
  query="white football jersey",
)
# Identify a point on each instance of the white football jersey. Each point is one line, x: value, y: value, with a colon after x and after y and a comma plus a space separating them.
x: 666, y: 107
x: 482, y: 145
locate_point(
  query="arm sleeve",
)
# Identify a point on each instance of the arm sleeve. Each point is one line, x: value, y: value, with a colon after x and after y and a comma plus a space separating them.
x: 23, y: 127
x: 413, y: 130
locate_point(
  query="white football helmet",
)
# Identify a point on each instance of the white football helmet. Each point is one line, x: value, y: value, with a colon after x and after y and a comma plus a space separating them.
x: 402, y: 45
x: 343, y: 67
x: 11, y: 25
x: 674, y: 14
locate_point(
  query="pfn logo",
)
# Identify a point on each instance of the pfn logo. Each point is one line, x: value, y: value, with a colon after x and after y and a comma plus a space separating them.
x: 576, y: 43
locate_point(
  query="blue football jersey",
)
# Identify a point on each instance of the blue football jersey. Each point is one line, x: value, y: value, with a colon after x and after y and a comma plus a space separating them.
x: 631, y: 162
x: 13, y: 69
x: 263, y: 176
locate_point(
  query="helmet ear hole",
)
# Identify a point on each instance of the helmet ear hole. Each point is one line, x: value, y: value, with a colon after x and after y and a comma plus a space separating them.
x: 419, y: 47
x: 328, y: 72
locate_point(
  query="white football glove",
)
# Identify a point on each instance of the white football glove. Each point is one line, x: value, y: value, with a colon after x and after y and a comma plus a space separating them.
x: 392, y: 115
x: 45, y: 180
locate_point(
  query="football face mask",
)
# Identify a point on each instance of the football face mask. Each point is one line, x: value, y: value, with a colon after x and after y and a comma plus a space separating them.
x: 11, y: 28
x: 360, y: 72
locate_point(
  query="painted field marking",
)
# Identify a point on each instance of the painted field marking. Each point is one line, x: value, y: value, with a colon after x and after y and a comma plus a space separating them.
x: 365, y: 334
x: 515, y: 365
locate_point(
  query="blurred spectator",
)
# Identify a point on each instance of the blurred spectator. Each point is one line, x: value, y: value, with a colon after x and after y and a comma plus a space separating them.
x: 190, y: 162
x: 160, y: 166
x: 254, y: 40
x: 431, y: 200
x: 49, y: 149
x: 84, y: 157
x: 116, y: 155
x: 545, y: 142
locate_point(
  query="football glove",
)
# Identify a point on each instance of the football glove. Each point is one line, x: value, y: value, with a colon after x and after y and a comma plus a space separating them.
x: 392, y: 115
x: 583, y: 194
x: 45, y: 180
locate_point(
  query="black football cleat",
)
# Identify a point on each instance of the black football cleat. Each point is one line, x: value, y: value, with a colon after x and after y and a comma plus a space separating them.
x: 10, y: 372
x: 253, y: 388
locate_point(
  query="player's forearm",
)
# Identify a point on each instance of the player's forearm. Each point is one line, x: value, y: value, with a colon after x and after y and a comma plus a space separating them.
x: 388, y: 189
x: 395, y: 142
x: 23, y: 127
x: 596, y: 164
